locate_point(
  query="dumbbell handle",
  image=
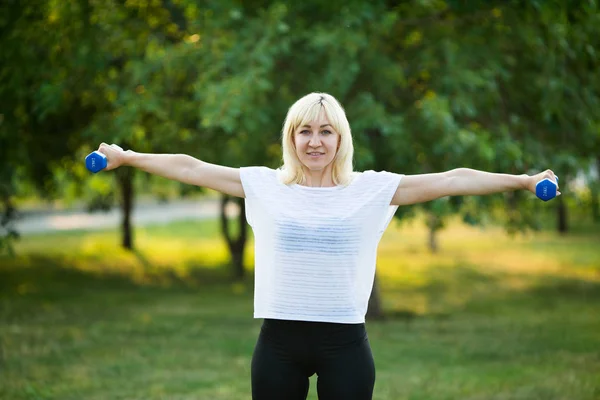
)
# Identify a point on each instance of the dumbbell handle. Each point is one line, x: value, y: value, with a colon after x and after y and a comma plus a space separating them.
x: 546, y: 189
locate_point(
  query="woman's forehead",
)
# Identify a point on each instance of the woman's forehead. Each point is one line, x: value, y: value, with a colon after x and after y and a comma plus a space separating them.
x: 316, y: 119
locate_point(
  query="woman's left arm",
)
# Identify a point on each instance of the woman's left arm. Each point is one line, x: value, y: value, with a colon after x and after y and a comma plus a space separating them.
x: 415, y: 189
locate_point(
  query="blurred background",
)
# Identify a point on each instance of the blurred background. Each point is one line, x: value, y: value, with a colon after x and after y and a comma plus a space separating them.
x: 121, y: 285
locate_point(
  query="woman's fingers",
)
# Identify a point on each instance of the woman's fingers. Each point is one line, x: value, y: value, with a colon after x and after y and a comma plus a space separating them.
x: 113, y: 155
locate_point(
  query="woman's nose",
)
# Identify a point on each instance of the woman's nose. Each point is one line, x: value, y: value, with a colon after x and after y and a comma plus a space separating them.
x: 315, y: 140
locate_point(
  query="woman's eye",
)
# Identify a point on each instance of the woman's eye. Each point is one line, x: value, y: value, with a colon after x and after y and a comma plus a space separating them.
x: 326, y: 132
x: 304, y: 132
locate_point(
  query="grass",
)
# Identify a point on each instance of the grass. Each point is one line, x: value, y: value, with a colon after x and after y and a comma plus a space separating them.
x: 489, y: 317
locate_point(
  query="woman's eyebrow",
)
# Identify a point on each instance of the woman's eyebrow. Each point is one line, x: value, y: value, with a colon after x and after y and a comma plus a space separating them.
x: 322, y: 126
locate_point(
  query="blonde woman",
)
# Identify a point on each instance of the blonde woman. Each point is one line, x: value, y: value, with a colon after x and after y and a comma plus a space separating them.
x: 317, y: 225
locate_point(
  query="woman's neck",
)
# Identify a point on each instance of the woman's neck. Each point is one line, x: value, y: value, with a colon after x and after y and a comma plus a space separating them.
x: 320, y: 178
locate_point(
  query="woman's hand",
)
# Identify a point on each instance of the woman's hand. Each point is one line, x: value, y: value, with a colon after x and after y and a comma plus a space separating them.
x: 534, y: 179
x: 115, y: 156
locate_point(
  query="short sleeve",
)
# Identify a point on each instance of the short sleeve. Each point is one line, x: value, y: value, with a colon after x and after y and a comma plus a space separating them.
x: 256, y: 181
x: 392, y: 182
x: 388, y: 182
x: 384, y: 185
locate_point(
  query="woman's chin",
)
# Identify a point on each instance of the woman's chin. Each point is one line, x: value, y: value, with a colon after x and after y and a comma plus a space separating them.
x: 315, y: 166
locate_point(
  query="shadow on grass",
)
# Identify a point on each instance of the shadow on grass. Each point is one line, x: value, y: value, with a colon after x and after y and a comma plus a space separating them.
x: 447, y: 291
x: 59, y: 275
x: 56, y: 288
x: 552, y: 287
x: 465, y: 289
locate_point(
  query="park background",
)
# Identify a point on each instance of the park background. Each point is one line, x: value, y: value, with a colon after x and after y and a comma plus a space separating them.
x: 121, y: 285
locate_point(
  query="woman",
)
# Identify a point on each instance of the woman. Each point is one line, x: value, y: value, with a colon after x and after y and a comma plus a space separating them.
x: 317, y: 225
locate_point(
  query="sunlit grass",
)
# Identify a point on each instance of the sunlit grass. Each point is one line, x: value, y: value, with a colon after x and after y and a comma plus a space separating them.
x: 487, y: 317
x: 161, y: 251
x: 468, y: 259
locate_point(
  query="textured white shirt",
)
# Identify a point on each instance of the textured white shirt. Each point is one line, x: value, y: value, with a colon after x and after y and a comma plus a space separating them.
x: 316, y: 248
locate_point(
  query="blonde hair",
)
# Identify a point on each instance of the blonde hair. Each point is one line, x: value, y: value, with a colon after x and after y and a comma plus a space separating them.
x: 304, y: 112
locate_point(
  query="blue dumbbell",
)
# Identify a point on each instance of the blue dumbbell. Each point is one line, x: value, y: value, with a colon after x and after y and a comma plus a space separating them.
x: 95, y: 161
x: 546, y: 189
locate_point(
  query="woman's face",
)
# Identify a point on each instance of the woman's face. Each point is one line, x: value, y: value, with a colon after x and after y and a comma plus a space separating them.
x: 316, y: 144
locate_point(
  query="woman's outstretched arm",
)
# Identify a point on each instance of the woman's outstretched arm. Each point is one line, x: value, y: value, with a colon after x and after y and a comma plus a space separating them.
x: 462, y: 182
x: 179, y: 167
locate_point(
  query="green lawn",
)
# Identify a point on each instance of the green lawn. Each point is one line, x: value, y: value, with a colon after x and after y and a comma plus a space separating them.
x: 489, y: 317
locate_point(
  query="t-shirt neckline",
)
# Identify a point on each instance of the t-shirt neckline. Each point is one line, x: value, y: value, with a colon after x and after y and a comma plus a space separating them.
x: 317, y: 188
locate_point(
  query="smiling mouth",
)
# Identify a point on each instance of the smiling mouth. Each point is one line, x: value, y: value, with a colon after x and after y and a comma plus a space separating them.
x: 315, y: 154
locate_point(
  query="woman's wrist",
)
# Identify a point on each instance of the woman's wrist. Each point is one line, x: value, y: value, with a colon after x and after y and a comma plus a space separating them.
x: 525, y: 181
x: 129, y: 158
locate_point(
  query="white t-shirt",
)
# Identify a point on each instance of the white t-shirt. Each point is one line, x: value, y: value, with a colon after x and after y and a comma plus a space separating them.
x: 316, y: 248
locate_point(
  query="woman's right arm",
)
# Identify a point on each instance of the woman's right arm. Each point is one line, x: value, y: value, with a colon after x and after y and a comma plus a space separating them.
x: 179, y: 167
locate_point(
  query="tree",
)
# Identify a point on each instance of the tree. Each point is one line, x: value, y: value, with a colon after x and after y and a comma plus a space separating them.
x: 430, y: 87
x: 40, y: 89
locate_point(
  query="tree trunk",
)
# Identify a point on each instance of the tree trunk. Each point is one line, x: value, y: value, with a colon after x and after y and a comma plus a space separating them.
x: 433, y: 244
x: 434, y: 225
x: 125, y: 178
x: 562, y: 216
x: 594, y: 194
x: 516, y: 218
x: 237, y: 244
x: 7, y: 218
x: 374, y: 308
x: 595, y: 204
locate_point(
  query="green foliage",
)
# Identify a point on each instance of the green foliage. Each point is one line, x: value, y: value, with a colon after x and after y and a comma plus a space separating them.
x: 430, y: 86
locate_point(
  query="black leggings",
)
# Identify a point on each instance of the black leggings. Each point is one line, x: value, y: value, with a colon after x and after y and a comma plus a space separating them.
x: 287, y: 353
